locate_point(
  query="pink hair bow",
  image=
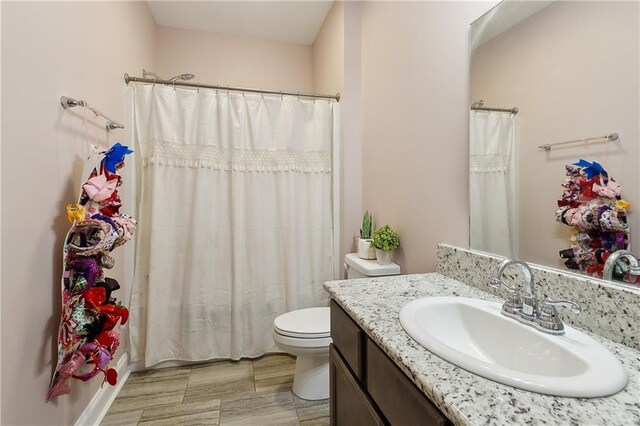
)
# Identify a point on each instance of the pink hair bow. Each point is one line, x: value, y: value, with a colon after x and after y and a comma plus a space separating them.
x: 66, y: 370
x: 610, y: 190
x: 98, y: 188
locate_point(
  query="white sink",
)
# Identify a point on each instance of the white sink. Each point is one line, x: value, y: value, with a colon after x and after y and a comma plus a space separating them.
x: 474, y: 335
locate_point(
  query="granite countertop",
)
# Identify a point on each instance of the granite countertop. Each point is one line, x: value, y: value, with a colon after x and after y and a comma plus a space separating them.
x: 465, y: 398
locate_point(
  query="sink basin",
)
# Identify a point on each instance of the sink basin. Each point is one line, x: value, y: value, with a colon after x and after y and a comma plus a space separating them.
x: 474, y: 335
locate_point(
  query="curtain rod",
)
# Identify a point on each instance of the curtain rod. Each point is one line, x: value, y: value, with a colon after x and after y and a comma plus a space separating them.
x: 128, y: 78
x: 67, y: 102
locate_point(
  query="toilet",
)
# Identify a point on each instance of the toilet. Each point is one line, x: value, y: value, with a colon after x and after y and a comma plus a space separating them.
x: 306, y: 334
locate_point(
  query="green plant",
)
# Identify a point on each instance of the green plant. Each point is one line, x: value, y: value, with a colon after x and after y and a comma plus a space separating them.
x: 365, y: 231
x: 385, y: 239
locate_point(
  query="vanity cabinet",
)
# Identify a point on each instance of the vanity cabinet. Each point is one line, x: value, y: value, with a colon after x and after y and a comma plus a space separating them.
x: 367, y: 387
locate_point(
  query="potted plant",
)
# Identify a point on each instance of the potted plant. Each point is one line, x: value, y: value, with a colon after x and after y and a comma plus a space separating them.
x: 365, y: 249
x: 385, y: 240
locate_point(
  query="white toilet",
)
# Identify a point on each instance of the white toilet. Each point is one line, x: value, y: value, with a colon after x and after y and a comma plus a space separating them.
x: 306, y: 333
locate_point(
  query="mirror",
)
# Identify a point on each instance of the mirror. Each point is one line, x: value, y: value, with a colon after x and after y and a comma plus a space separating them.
x: 571, y: 68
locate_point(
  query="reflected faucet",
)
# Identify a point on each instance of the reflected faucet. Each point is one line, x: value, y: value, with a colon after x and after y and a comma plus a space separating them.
x: 524, y: 308
x: 609, y: 265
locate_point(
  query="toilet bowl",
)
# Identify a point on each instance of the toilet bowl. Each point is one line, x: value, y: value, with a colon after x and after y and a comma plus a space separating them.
x: 306, y: 333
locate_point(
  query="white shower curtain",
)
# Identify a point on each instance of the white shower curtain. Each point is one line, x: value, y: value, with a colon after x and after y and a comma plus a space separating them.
x: 235, y: 219
x: 493, y: 226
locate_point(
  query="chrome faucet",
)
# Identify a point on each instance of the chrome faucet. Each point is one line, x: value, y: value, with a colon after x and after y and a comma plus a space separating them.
x: 609, y: 265
x: 524, y: 307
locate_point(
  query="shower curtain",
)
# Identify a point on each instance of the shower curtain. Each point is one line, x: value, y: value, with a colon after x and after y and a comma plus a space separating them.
x: 493, y: 226
x: 235, y: 219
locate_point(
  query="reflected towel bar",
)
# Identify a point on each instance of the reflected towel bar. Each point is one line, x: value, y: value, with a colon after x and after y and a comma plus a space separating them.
x: 479, y: 106
x: 610, y: 137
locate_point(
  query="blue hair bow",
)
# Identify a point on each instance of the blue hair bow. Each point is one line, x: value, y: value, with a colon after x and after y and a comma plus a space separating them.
x: 114, y: 156
x: 591, y: 169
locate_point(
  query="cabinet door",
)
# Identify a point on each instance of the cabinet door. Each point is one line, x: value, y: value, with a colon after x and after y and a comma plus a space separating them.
x: 348, y: 338
x: 350, y: 406
x: 401, y: 402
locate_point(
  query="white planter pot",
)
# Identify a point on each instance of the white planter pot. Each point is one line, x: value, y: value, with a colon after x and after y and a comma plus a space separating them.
x: 365, y: 249
x: 384, y: 257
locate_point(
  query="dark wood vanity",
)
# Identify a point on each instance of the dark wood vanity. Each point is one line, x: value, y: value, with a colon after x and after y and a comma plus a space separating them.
x: 367, y: 388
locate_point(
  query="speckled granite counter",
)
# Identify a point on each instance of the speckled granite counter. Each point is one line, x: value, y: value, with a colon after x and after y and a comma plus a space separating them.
x: 465, y: 398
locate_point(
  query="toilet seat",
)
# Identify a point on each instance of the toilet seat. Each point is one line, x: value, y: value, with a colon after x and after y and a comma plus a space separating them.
x: 301, y: 335
x: 293, y: 344
x: 311, y: 323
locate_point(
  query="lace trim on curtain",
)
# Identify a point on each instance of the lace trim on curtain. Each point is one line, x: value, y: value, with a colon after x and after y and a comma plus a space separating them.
x: 488, y: 163
x: 238, y: 159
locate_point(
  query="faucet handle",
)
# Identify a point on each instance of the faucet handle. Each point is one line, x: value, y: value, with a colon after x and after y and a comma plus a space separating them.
x: 496, y: 282
x: 548, y: 319
x: 549, y: 306
x: 513, y: 304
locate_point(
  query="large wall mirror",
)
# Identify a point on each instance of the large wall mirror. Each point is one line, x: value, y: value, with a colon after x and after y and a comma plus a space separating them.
x: 553, y: 83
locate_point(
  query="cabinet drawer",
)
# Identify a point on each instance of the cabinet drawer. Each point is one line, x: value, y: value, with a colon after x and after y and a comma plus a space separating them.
x: 399, y: 400
x: 348, y: 338
x: 350, y: 405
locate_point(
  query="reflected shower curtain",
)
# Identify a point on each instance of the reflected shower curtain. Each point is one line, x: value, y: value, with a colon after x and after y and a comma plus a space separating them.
x: 492, y: 145
x: 235, y: 215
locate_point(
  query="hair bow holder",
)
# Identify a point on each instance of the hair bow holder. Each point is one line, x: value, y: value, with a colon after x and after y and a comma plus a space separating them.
x: 592, y: 205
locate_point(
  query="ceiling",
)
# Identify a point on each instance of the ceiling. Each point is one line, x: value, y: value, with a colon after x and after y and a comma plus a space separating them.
x: 284, y: 21
x: 502, y: 17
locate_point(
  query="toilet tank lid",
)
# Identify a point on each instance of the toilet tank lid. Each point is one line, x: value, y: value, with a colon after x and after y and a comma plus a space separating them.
x: 371, y: 268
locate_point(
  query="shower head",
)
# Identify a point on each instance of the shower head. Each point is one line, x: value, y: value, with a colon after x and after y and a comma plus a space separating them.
x: 182, y: 77
x: 146, y: 74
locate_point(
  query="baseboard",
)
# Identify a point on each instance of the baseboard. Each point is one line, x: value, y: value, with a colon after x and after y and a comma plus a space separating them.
x: 102, y: 400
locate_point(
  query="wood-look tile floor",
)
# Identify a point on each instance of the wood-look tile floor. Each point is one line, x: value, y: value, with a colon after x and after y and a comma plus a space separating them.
x: 245, y: 392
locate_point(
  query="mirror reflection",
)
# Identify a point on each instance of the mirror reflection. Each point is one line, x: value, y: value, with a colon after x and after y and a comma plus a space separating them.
x: 554, y: 134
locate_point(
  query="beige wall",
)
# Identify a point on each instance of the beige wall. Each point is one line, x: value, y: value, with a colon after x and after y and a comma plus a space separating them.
x: 235, y: 61
x: 328, y: 53
x: 572, y: 70
x: 415, y: 123
x: 352, y: 144
x: 336, y: 59
x: 51, y: 49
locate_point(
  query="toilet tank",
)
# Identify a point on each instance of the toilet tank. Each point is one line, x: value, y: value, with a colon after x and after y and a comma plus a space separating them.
x: 363, y: 268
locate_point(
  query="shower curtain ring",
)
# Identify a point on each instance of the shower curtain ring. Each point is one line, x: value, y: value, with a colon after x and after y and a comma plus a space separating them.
x: 174, y: 85
x: 198, y: 87
x: 298, y: 95
x: 281, y: 96
x: 217, y: 89
x: 262, y: 93
x: 227, y: 90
